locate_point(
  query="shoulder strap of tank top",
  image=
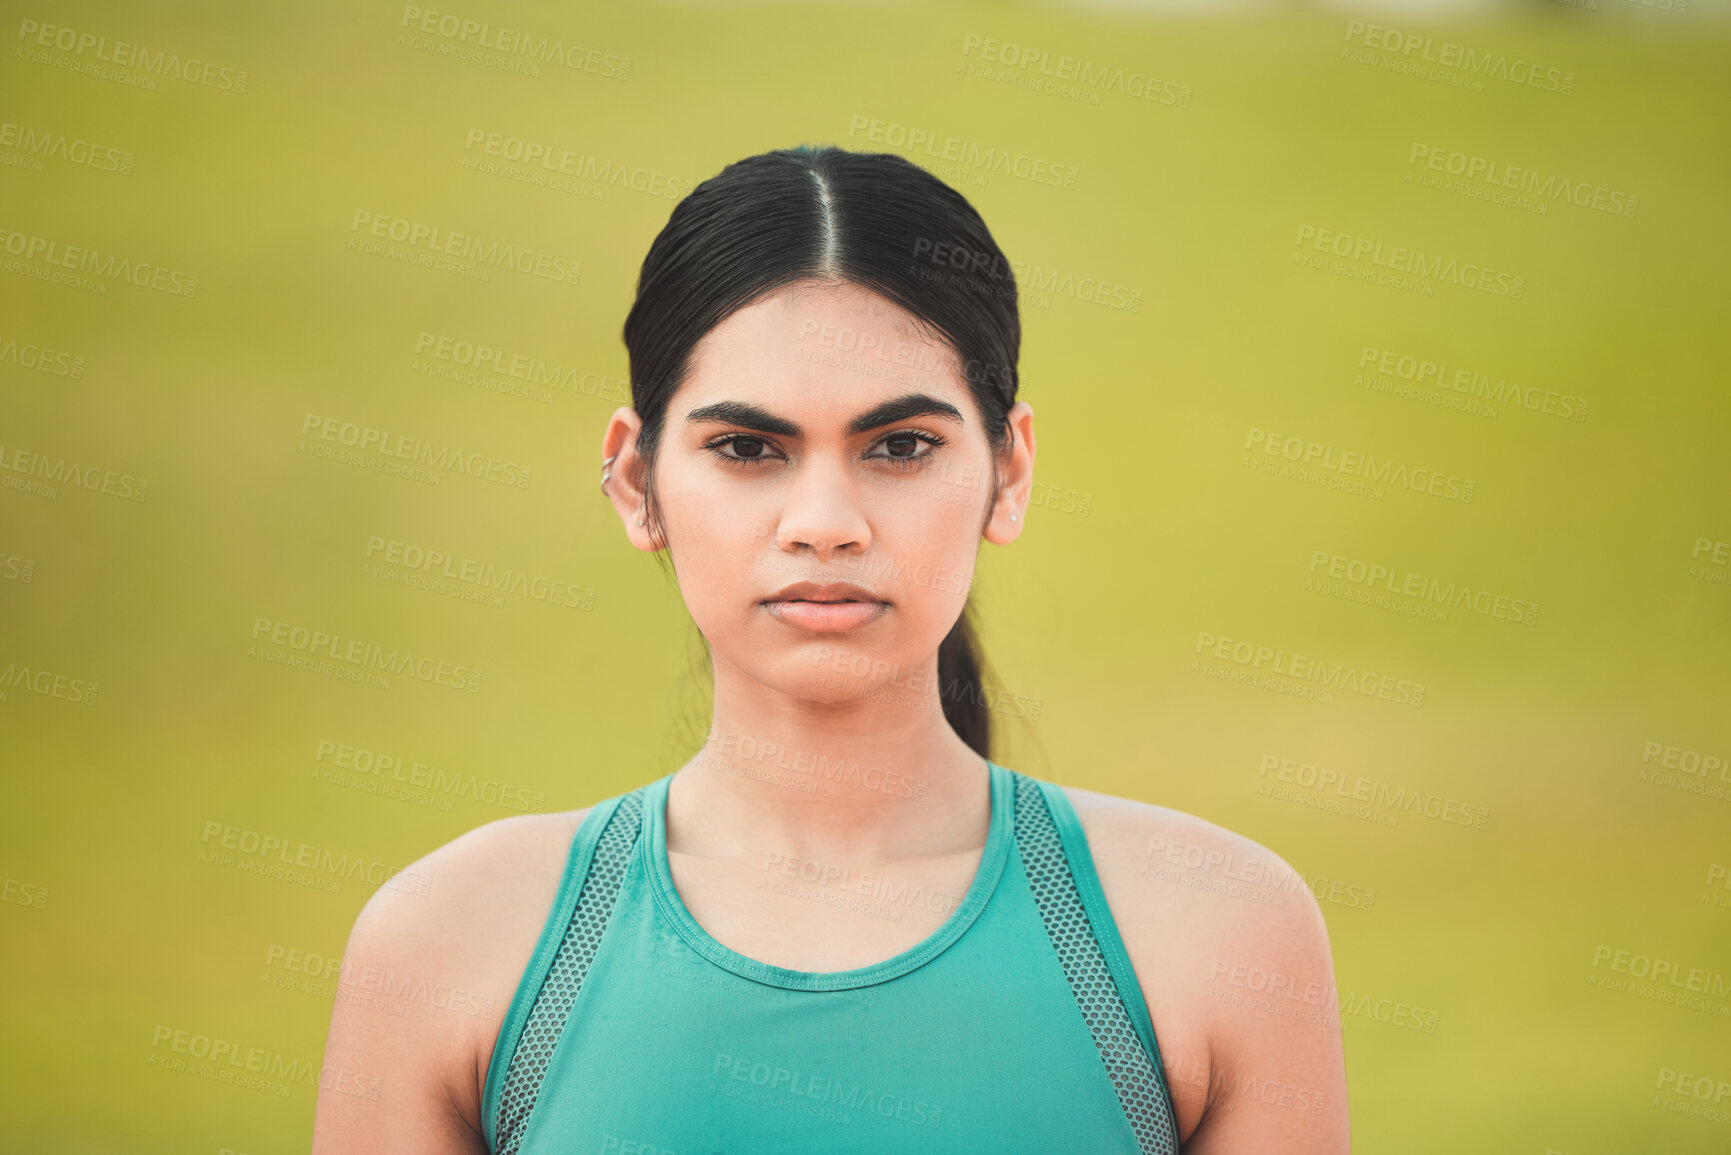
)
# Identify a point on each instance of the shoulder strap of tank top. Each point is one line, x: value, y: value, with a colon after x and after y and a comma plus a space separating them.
x: 600, y: 849
x: 1061, y: 874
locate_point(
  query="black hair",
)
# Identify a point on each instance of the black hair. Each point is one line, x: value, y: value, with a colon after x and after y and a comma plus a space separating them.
x: 827, y: 214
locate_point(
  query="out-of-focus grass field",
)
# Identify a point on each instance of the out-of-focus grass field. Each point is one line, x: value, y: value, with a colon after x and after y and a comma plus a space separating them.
x: 115, y: 930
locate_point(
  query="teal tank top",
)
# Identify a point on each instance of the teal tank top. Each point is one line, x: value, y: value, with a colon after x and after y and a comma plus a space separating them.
x: 1016, y: 1027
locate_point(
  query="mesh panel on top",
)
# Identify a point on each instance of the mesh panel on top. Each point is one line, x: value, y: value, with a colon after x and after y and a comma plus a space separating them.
x: 1140, y: 1084
x: 558, y: 993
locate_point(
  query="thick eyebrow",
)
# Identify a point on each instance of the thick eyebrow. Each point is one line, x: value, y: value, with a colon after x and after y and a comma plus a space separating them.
x: 901, y: 408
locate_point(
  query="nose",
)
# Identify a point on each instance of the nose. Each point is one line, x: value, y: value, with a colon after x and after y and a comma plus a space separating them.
x: 823, y: 513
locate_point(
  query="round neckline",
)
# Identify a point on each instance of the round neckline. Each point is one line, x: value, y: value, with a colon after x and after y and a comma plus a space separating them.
x: 652, y: 847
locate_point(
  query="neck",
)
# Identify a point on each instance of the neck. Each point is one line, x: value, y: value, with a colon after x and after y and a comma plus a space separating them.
x: 868, y: 779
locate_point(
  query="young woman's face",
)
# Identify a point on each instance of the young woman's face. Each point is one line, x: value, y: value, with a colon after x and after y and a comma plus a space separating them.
x: 823, y: 481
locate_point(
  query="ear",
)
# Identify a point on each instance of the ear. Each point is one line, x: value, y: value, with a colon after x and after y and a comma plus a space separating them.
x: 625, y: 474
x: 1016, y: 472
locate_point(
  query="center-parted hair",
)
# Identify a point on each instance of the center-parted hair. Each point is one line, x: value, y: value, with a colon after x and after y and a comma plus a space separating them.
x: 868, y: 218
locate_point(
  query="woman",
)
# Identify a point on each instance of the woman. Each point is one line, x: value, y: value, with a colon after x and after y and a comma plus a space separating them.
x: 840, y: 926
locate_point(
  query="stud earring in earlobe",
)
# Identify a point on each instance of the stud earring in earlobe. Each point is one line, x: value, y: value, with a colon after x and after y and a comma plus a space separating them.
x: 639, y: 519
x: 1013, y: 517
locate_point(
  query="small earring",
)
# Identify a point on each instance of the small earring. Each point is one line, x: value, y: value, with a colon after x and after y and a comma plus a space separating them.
x: 640, y: 519
x: 1013, y: 517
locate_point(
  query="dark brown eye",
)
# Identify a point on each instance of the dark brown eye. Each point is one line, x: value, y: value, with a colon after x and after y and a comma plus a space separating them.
x: 905, y: 448
x: 745, y: 449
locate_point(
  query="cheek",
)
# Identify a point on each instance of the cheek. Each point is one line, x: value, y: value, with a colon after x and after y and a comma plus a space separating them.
x: 928, y: 543
x: 713, y: 534
x: 697, y: 509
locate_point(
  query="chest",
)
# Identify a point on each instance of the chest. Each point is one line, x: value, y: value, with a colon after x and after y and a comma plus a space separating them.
x: 981, y: 1047
x: 813, y: 915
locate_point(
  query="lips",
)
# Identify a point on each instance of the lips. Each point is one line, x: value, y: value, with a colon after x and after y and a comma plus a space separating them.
x: 827, y: 592
x: 825, y: 607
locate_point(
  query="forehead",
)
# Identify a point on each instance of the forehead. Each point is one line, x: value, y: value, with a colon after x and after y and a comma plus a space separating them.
x: 828, y: 351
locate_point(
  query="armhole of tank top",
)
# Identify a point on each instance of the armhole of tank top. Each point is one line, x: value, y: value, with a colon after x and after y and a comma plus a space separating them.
x: 583, y: 842
x: 1081, y: 862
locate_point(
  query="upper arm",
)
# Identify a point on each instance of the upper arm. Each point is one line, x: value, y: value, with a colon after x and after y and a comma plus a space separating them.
x: 1276, y: 1070
x: 389, y: 1078
x: 426, y: 978
x: 1232, y: 958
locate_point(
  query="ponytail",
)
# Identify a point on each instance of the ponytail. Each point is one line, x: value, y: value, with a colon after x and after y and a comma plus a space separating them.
x: 959, y: 685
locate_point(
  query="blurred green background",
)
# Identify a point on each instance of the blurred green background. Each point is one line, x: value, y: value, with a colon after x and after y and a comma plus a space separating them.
x: 237, y: 144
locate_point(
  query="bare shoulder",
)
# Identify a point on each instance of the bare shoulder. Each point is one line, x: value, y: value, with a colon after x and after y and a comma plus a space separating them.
x: 1232, y: 956
x: 1218, y: 883
x: 470, y: 904
x: 430, y: 969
